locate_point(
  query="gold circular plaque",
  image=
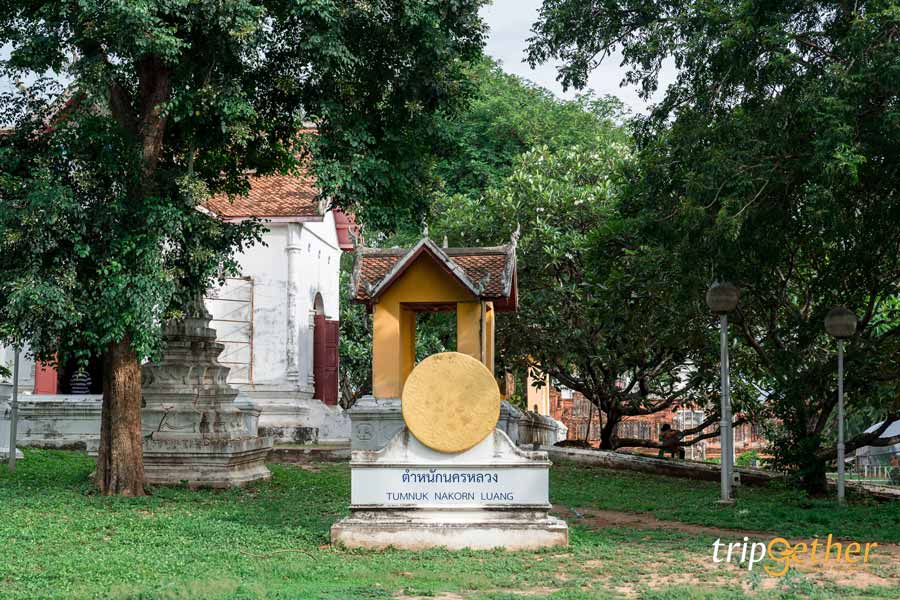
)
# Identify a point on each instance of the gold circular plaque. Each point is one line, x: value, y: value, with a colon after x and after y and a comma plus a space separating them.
x: 450, y: 402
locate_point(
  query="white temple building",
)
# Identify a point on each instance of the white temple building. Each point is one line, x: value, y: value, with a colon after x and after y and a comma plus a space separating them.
x: 279, y: 321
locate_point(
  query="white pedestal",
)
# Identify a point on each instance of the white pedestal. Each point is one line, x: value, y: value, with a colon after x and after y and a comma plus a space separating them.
x: 4, y: 454
x: 407, y: 495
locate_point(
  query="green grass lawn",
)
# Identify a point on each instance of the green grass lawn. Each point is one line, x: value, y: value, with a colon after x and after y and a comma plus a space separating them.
x: 60, y: 540
x: 776, y: 509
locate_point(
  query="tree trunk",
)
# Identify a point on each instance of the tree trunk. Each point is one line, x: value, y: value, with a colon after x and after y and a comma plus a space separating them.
x: 813, y: 470
x: 587, y: 432
x: 608, y: 430
x: 120, y: 461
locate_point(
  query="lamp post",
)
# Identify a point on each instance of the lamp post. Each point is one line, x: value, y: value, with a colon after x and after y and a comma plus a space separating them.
x: 722, y: 298
x: 14, y: 413
x: 840, y: 323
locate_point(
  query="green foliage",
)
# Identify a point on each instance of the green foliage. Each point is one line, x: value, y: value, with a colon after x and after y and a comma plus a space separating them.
x: 170, y: 102
x: 82, y: 258
x: 354, y: 342
x: 435, y: 332
x: 773, y: 161
x: 590, y: 310
x: 509, y: 116
x: 745, y: 459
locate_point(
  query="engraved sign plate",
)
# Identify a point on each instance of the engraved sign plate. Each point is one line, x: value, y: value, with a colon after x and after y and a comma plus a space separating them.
x: 450, y: 487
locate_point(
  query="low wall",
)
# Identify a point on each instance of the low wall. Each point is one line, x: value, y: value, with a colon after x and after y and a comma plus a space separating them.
x: 70, y: 422
x: 539, y: 429
x: 659, y: 466
x: 309, y: 454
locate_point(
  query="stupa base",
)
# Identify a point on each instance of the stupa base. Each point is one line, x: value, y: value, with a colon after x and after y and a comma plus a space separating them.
x: 207, y: 464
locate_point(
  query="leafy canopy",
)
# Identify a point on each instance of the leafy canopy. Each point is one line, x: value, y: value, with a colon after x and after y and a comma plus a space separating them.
x: 169, y: 102
x: 773, y: 161
x: 506, y: 118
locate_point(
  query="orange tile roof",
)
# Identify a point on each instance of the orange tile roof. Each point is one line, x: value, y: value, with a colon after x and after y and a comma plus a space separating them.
x: 488, y: 266
x: 493, y: 267
x: 271, y: 196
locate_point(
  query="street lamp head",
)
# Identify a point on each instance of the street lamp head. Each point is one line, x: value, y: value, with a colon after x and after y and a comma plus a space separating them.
x: 722, y: 298
x: 840, y: 323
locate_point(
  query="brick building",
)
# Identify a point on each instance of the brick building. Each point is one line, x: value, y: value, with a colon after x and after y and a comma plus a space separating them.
x: 584, y: 422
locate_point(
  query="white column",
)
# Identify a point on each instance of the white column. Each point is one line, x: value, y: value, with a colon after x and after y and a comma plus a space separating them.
x: 293, y: 290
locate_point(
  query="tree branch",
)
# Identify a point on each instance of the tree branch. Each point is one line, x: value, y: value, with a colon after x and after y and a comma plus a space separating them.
x: 866, y: 439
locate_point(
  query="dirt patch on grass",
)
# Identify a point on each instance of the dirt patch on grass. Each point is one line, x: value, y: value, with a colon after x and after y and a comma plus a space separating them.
x: 535, y: 591
x: 600, y: 519
x: 883, y: 570
x: 442, y: 596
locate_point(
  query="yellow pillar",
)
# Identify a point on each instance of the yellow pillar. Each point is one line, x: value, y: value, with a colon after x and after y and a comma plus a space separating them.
x: 385, y: 358
x: 407, y: 345
x: 490, y: 328
x: 393, y: 348
x: 468, y: 329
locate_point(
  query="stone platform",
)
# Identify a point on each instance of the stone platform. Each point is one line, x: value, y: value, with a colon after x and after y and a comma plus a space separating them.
x: 63, y: 422
x: 290, y: 416
x: 407, y: 495
x: 455, y: 530
x: 209, y: 464
x: 4, y: 454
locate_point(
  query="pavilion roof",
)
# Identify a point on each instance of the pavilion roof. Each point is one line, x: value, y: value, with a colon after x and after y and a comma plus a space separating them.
x: 488, y: 273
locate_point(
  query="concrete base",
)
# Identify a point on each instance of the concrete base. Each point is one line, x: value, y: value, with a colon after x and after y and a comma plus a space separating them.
x: 206, y: 463
x: 477, y: 529
x: 56, y: 421
x: 292, y: 416
x: 375, y: 421
x: 407, y: 495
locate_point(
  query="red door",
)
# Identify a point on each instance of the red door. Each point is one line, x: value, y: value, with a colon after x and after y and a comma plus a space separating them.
x: 46, y: 379
x: 325, y: 359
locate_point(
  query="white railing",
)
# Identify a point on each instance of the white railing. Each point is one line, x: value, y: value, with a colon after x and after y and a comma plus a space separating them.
x: 875, y: 471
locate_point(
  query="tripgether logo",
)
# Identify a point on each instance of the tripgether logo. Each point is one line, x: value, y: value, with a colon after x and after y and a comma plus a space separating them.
x: 785, y: 554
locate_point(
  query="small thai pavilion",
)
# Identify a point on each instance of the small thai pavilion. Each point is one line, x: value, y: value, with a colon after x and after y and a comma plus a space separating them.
x: 396, y: 284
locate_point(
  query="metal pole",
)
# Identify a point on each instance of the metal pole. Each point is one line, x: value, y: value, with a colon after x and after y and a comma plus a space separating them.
x: 840, y: 444
x: 13, y: 413
x: 725, y: 423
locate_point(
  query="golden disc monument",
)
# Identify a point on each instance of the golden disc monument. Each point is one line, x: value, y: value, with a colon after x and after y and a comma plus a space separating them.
x: 448, y: 476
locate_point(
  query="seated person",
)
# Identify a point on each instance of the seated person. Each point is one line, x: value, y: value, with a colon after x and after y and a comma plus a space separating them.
x: 670, y: 441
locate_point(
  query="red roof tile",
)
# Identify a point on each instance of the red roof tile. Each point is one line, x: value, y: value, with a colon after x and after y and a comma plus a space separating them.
x: 271, y: 196
x: 481, y: 266
x: 494, y: 268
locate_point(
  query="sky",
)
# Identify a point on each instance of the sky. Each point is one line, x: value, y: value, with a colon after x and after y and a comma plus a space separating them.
x: 510, y: 23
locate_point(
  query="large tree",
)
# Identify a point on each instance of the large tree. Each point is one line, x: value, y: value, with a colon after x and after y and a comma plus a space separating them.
x: 599, y: 311
x: 774, y: 161
x: 169, y: 102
